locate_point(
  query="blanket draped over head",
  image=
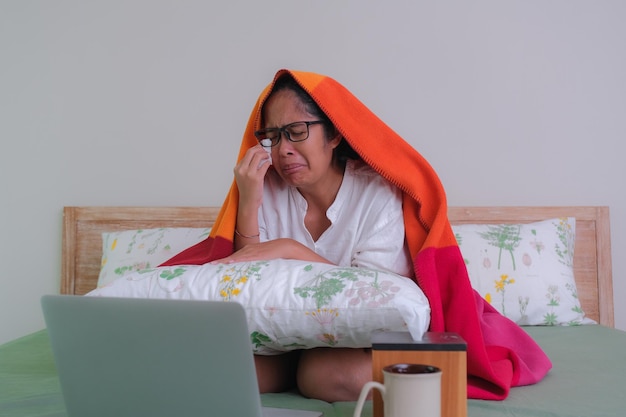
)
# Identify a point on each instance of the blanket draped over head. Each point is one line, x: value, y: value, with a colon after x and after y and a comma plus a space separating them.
x: 500, y: 354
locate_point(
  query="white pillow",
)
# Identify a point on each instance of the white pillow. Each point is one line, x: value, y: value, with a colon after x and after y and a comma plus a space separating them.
x: 525, y: 271
x: 292, y: 304
x: 128, y: 251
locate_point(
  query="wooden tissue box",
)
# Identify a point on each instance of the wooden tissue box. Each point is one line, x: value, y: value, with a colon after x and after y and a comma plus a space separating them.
x: 445, y: 350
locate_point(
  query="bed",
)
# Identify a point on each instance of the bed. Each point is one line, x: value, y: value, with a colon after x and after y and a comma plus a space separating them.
x: 589, y: 364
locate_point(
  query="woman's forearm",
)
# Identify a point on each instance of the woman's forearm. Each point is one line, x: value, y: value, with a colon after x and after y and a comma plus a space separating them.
x: 247, y: 227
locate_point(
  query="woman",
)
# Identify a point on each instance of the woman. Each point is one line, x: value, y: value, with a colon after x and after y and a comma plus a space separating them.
x: 314, y: 202
x: 308, y: 179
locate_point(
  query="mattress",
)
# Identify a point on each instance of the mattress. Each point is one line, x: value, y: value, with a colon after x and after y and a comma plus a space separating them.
x: 588, y: 379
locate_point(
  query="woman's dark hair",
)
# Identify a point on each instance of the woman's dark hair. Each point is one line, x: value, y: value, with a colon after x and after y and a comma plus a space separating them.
x: 286, y: 82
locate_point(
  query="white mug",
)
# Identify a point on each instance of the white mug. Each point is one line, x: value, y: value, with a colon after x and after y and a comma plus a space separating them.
x: 409, y: 390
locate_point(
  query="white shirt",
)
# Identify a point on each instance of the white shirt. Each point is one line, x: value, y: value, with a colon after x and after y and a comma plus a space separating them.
x: 367, y: 226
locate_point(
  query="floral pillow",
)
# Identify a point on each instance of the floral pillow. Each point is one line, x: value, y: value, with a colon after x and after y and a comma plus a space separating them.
x: 292, y: 304
x: 128, y: 251
x: 525, y: 271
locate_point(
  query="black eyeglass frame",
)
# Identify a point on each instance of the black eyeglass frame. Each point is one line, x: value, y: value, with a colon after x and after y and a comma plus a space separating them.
x: 262, y: 134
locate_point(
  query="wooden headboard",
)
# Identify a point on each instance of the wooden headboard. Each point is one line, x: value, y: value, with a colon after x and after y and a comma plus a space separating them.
x: 83, y: 227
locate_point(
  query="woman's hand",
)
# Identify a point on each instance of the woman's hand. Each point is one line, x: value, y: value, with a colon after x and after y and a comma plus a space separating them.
x: 273, y: 249
x: 249, y: 173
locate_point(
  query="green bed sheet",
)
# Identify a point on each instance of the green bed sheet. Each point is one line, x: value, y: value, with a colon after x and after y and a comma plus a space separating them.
x: 588, y: 379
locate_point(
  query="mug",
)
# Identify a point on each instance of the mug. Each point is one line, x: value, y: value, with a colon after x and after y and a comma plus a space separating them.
x: 409, y: 390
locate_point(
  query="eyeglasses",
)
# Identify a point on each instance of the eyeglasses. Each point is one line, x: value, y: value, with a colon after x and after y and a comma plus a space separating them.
x: 294, y: 132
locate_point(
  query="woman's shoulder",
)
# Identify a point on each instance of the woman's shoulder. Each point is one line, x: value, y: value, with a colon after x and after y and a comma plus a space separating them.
x: 365, y: 174
x: 359, y: 168
x: 366, y: 180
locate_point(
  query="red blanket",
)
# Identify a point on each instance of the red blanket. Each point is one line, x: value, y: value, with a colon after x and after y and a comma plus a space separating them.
x: 500, y: 354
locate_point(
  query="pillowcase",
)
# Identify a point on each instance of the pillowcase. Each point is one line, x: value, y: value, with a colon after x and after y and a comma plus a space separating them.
x: 292, y: 304
x: 128, y: 251
x: 525, y: 271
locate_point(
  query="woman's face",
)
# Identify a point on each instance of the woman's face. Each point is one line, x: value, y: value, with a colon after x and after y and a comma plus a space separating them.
x: 299, y: 164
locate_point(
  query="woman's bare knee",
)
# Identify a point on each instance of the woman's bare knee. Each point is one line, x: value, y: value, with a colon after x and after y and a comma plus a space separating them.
x: 334, y: 374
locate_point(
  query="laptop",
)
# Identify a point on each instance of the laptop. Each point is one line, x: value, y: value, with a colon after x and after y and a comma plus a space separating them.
x: 145, y: 357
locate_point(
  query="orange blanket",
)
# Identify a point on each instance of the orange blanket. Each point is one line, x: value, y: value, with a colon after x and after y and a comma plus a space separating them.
x: 500, y: 353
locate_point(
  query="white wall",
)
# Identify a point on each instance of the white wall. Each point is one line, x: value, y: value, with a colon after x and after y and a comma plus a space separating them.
x: 143, y: 102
